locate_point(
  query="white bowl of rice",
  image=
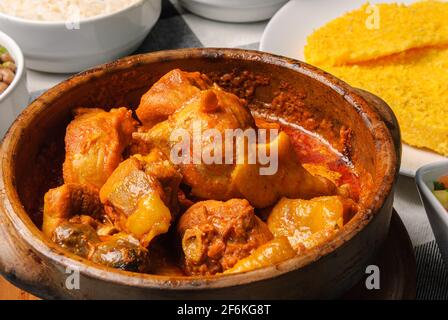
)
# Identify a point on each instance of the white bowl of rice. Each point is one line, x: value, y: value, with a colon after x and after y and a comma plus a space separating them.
x: 66, y: 36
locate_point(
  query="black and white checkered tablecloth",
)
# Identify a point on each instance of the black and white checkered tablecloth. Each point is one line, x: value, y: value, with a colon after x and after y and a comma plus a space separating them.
x: 180, y: 29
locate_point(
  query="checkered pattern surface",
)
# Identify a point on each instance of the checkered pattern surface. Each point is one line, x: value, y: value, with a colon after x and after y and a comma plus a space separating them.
x: 178, y: 28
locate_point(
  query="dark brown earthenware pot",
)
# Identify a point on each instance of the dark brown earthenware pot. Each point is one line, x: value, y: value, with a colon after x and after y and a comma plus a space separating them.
x: 34, y: 263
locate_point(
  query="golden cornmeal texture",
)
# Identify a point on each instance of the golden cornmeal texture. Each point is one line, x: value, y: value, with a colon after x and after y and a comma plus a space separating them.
x: 354, y: 37
x: 404, y: 61
x: 414, y: 84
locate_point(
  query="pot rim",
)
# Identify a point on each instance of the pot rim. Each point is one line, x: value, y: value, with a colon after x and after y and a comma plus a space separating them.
x: 386, y: 165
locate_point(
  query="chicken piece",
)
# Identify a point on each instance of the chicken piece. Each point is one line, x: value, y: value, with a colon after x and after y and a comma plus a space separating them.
x: 62, y: 203
x: 158, y: 165
x: 221, y: 180
x: 123, y: 252
x: 210, y: 109
x: 142, y: 193
x: 168, y: 94
x: 268, y: 254
x: 216, y: 235
x: 94, y: 143
x: 289, y: 180
x: 137, y: 146
x: 308, y: 223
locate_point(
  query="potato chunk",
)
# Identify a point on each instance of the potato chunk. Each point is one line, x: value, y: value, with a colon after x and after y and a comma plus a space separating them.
x: 141, y: 195
x: 151, y: 218
x: 268, y: 254
x: 308, y: 223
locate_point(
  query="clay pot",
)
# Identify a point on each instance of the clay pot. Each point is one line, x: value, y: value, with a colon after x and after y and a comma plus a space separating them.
x: 33, y: 262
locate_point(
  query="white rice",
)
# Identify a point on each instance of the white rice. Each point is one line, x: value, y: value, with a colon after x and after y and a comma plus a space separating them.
x: 62, y: 10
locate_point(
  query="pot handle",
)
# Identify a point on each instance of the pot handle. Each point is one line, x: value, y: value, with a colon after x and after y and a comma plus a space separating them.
x: 388, y: 117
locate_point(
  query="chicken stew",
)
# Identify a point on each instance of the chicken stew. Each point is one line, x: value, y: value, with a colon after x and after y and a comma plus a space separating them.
x: 126, y: 201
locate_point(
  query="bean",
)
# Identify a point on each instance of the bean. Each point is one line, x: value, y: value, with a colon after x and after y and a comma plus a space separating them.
x: 10, y: 65
x: 3, y: 87
x: 5, y: 57
x: 7, y: 75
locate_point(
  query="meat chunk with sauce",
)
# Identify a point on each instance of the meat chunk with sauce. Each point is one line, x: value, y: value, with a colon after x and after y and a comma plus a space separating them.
x: 209, y: 109
x: 73, y: 218
x: 215, y: 235
x: 63, y: 203
x: 141, y: 195
x: 169, y: 94
x: 94, y: 143
x: 238, y: 178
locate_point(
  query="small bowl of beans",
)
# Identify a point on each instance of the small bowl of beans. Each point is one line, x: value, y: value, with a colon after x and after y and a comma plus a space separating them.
x: 8, y: 69
x: 13, y: 92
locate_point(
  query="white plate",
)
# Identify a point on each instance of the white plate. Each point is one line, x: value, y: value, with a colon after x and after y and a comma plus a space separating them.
x: 286, y: 35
